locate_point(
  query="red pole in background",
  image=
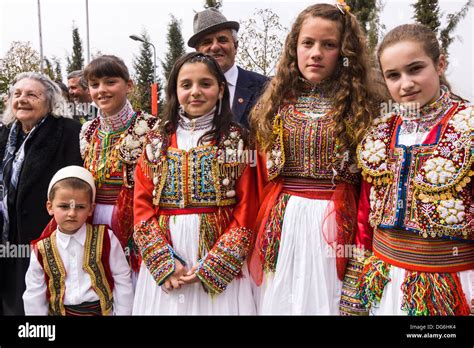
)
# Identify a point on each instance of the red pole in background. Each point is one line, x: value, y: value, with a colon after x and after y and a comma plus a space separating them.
x: 154, y: 99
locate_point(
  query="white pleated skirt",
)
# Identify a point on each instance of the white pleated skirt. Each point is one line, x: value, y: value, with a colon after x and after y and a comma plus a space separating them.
x: 305, y: 281
x: 191, y: 299
x: 392, y: 297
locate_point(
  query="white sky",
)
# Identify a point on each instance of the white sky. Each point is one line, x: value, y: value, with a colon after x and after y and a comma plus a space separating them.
x: 112, y: 21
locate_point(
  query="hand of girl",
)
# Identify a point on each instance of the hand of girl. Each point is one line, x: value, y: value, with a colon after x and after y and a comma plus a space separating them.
x: 173, y: 281
x: 190, y: 277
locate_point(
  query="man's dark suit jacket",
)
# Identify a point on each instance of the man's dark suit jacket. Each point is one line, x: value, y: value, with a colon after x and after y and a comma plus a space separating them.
x: 249, y: 87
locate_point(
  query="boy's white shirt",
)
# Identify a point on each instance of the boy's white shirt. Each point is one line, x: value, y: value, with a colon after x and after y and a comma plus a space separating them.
x: 78, y: 283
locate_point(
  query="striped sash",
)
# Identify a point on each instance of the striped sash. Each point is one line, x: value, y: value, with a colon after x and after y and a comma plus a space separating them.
x: 84, y: 309
x: 413, y: 252
x: 308, y: 188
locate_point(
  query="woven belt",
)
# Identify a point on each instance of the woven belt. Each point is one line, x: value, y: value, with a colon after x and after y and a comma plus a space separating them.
x: 413, y: 252
x: 84, y: 309
x: 308, y: 188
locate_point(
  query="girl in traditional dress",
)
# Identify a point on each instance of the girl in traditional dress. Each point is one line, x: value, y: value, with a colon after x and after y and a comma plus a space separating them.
x: 416, y: 210
x: 307, y: 125
x: 193, y: 201
x: 111, y: 145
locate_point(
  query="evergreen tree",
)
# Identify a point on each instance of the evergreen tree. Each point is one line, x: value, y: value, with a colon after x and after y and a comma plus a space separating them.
x: 213, y: 3
x: 367, y: 13
x: 76, y: 61
x: 143, y: 66
x: 48, y: 68
x: 453, y: 20
x: 175, y: 45
x: 57, y: 69
x: 363, y: 10
x: 427, y: 13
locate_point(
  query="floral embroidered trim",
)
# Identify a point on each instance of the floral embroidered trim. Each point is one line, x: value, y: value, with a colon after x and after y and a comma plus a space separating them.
x: 448, y: 170
x: 463, y: 121
x: 375, y: 151
x: 106, y: 155
x: 372, y: 151
x: 224, y: 262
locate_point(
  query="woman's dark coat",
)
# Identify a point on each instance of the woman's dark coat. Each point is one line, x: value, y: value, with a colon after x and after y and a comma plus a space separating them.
x: 54, y: 146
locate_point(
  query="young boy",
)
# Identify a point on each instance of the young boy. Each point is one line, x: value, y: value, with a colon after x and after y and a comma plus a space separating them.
x: 78, y: 268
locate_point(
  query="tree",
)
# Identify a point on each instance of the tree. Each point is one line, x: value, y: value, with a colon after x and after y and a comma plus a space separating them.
x: 143, y: 66
x: 367, y: 13
x: 48, y: 68
x: 20, y: 57
x: 427, y: 12
x: 261, y: 42
x: 76, y: 61
x: 175, y: 45
x: 213, y: 3
x: 453, y: 20
x: 57, y: 69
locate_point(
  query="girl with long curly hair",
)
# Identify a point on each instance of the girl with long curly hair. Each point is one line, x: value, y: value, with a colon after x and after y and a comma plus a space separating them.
x: 307, y: 125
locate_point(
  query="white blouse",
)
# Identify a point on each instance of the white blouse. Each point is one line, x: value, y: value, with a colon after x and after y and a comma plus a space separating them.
x: 78, y: 282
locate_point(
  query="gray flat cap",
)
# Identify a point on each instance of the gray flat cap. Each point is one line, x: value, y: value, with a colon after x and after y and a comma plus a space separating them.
x: 209, y: 21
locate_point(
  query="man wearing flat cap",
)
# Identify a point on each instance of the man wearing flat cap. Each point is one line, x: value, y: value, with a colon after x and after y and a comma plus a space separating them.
x: 216, y: 36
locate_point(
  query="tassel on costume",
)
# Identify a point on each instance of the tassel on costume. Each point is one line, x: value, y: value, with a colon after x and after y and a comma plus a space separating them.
x: 373, y: 280
x: 271, y: 240
x: 433, y: 294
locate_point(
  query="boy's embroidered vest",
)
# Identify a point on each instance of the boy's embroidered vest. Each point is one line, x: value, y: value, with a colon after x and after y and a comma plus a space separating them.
x: 96, y: 264
x: 425, y: 189
x: 201, y: 177
x: 306, y: 147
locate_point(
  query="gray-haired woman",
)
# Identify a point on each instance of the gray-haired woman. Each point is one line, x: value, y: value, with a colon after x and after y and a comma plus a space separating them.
x: 36, y: 140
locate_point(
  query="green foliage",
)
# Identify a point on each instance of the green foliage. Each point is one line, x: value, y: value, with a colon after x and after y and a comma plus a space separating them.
x: 445, y: 35
x: 143, y: 66
x: 175, y: 46
x: 427, y: 12
x: 76, y: 61
x: 367, y: 13
x: 57, y: 69
x: 48, y: 68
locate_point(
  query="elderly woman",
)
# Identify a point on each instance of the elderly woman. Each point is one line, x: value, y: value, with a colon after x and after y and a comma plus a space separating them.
x: 36, y: 140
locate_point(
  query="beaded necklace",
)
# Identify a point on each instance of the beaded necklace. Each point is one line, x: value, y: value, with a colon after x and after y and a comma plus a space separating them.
x: 424, y: 119
x: 199, y: 123
x: 315, y: 100
x: 118, y: 121
x: 102, y: 157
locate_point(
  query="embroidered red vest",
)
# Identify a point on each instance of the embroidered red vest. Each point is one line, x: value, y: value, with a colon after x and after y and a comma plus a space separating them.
x: 96, y: 264
x: 426, y: 188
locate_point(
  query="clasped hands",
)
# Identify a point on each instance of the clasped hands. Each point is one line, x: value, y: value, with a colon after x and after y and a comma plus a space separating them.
x: 180, y: 276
